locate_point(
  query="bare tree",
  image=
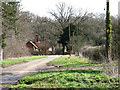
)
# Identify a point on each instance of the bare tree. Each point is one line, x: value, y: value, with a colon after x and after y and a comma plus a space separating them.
x: 63, y: 14
x: 47, y: 30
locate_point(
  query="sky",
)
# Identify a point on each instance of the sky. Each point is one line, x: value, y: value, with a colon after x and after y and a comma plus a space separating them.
x: 42, y: 7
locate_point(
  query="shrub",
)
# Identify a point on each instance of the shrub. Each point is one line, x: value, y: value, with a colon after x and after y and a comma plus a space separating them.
x: 94, y: 53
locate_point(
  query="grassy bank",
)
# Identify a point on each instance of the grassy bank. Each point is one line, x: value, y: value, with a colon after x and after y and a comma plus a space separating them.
x: 8, y: 62
x: 83, y: 78
x: 67, y: 61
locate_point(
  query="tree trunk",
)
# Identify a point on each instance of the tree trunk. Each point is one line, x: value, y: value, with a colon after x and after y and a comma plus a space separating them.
x: 108, y: 34
x: 63, y: 49
x: 53, y: 50
x: 76, y: 53
x: 1, y: 54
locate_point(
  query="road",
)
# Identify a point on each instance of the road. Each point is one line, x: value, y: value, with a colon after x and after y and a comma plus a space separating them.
x: 10, y: 75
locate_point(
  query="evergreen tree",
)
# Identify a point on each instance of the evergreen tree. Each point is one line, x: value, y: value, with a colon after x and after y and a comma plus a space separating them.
x: 64, y: 37
x: 9, y: 18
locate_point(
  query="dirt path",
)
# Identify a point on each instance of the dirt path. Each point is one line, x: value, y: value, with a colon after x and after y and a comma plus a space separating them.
x: 10, y: 75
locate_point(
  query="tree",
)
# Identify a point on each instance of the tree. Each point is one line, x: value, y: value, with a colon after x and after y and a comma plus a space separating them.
x: 108, y: 34
x: 64, y: 37
x: 46, y: 29
x: 1, y: 35
x: 94, y: 30
x: 16, y: 45
x: 25, y: 26
x: 63, y: 16
x: 9, y: 11
x: 115, y: 37
x: 65, y: 13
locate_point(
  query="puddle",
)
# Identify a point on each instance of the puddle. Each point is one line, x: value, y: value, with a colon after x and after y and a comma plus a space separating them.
x: 5, y: 73
x: 11, y: 79
x: 8, y: 79
x: 9, y: 83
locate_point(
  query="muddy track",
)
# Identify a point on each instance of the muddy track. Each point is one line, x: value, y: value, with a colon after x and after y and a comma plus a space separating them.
x: 71, y: 68
x: 10, y: 75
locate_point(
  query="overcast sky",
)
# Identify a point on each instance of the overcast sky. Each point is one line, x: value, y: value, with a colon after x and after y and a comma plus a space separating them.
x: 42, y: 7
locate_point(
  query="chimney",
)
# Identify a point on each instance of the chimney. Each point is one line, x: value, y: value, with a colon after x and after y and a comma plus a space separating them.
x: 37, y: 38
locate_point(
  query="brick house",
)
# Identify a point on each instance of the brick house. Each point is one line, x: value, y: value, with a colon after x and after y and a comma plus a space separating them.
x: 39, y: 47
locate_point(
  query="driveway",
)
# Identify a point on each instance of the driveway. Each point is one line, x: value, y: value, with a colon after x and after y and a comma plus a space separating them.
x: 10, y: 75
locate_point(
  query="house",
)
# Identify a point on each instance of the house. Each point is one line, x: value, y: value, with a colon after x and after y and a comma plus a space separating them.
x: 39, y: 47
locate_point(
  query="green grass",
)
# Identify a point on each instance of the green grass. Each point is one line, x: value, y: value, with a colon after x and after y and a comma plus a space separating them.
x: 66, y: 61
x: 83, y: 78
x: 14, y: 61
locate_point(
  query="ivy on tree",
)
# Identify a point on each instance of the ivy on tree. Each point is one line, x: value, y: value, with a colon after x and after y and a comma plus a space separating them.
x: 108, y: 34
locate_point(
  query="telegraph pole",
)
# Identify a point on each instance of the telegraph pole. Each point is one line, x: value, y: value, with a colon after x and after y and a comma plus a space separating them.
x: 69, y: 38
x: 45, y: 43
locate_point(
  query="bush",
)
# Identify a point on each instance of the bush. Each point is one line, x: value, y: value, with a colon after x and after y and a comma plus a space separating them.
x: 15, y: 48
x: 95, y: 53
x: 111, y: 68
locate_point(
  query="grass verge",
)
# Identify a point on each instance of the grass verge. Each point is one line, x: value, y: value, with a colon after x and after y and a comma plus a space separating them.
x: 8, y: 62
x: 67, y: 61
x: 83, y: 78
